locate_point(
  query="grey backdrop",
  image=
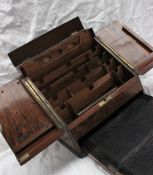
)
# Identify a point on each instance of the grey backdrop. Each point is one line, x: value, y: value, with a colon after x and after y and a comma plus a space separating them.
x: 21, y: 21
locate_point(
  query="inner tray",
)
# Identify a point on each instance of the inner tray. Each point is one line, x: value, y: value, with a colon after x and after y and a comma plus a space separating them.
x: 125, y: 141
x: 75, y: 74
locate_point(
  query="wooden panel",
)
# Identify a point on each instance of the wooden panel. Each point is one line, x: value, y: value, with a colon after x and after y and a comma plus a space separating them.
x: 86, y: 96
x: 21, y: 117
x: 45, y: 41
x: 135, y: 51
x: 61, y: 53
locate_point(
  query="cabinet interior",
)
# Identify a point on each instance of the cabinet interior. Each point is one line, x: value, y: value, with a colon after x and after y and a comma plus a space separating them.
x: 75, y: 73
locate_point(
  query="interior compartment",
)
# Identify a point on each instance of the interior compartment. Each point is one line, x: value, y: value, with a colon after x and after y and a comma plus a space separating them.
x: 75, y: 73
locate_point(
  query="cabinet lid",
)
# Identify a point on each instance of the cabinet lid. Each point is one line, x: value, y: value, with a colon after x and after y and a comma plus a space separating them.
x: 45, y: 41
x: 131, y: 50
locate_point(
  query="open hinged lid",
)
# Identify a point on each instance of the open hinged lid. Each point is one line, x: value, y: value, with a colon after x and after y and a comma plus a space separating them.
x: 24, y: 125
x: 124, y: 44
x: 44, y: 52
x: 45, y: 41
x: 124, y: 143
x: 128, y: 47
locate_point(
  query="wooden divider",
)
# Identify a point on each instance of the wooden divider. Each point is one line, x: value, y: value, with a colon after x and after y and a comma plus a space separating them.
x: 75, y: 74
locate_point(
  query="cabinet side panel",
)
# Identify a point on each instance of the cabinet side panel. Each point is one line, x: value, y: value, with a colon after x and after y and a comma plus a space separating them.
x: 21, y: 118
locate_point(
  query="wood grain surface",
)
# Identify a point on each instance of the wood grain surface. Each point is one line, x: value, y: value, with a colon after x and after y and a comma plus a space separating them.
x: 133, y: 49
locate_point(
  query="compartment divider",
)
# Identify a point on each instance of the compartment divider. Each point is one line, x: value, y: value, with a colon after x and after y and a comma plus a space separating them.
x: 74, y: 83
x: 86, y: 96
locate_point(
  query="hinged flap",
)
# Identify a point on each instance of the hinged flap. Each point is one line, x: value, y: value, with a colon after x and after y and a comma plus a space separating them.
x: 129, y: 47
x: 124, y: 143
x: 23, y: 123
x: 45, y: 41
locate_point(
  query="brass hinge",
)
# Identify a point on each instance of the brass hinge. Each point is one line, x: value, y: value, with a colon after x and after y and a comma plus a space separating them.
x: 43, y: 102
x: 116, y: 55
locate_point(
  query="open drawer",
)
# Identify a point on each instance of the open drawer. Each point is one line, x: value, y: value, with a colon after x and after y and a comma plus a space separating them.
x: 70, y: 82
